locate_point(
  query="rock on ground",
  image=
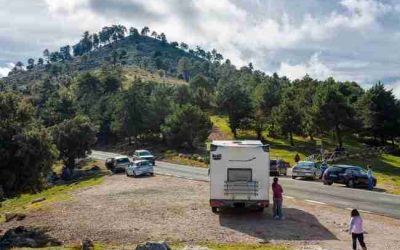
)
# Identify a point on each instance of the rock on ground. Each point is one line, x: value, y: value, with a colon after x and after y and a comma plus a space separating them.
x: 153, y: 246
x: 87, y: 244
x: 25, y: 237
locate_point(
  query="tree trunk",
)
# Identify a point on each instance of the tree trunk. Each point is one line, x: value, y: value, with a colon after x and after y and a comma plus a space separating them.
x: 234, y: 131
x: 259, y: 134
x: 338, y: 135
x: 129, y: 140
x: 383, y: 140
x: 392, y: 142
x: 311, y: 137
x: 291, y: 138
x: 70, y: 163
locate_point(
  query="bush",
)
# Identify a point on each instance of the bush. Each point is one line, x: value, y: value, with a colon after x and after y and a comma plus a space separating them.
x: 74, y: 138
x: 26, y: 149
x: 187, y: 126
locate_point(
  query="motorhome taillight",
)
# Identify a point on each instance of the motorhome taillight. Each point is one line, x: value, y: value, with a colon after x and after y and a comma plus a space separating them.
x: 263, y: 203
x: 215, y: 203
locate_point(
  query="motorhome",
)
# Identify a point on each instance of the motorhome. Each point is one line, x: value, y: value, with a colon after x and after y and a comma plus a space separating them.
x: 239, y: 174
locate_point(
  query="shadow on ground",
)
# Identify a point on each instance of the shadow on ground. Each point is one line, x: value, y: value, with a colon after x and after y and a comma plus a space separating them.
x: 298, y: 225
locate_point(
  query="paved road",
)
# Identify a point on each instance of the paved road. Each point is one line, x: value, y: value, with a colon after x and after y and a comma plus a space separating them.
x: 313, y: 192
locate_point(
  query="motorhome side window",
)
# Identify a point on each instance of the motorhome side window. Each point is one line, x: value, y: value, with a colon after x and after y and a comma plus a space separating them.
x: 239, y: 174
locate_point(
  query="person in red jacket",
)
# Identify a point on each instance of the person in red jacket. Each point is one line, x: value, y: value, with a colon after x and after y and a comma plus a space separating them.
x: 278, y: 199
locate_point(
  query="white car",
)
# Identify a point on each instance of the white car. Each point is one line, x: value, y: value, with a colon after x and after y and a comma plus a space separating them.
x: 140, y: 167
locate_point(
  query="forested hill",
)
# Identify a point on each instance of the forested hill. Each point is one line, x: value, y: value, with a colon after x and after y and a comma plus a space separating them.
x: 116, y: 46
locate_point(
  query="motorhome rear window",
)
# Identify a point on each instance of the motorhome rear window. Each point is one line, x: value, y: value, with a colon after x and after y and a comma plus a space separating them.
x: 239, y: 174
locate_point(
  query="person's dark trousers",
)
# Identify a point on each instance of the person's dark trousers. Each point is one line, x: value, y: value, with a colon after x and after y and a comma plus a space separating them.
x: 370, y: 184
x: 360, y: 238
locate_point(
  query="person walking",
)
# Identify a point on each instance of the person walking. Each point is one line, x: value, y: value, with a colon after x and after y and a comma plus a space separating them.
x: 370, y: 179
x: 278, y: 199
x: 356, y: 229
x: 297, y: 158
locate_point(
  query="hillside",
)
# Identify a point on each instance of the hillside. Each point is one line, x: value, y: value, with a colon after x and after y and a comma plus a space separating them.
x: 146, y: 57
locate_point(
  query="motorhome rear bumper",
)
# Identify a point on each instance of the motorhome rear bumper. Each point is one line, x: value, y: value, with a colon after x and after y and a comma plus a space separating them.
x: 239, y: 203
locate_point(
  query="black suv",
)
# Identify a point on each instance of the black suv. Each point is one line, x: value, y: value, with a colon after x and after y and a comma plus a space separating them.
x: 278, y: 167
x: 351, y: 176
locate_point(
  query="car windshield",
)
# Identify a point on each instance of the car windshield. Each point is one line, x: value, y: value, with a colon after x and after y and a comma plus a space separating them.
x: 123, y: 160
x: 305, y: 165
x: 144, y: 153
x: 361, y: 170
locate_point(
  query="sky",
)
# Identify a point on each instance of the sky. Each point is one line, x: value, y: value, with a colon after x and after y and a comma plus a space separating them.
x: 354, y: 40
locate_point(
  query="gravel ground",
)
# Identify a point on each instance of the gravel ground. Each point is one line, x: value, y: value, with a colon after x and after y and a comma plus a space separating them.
x: 130, y: 210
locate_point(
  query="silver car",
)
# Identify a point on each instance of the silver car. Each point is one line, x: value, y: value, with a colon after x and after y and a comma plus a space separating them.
x: 140, y: 167
x: 307, y: 169
x: 119, y: 163
x: 144, y: 155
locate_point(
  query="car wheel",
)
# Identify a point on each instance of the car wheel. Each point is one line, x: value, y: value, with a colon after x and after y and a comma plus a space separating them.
x: 293, y: 177
x: 328, y: 183
x: 350, y: 184
x: 285, y: 173
x: 214, y: 209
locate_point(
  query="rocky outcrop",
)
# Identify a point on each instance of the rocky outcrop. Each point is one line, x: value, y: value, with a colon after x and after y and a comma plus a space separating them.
x: 25, y: 237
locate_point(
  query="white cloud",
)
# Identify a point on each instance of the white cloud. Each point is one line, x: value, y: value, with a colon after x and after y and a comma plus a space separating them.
x: 4, y: 70
x: 356, y: 38
x: 315, y: 68
x: 396, y: 88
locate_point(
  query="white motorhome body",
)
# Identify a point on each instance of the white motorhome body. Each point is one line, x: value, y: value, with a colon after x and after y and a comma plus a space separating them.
x: 239, y: 174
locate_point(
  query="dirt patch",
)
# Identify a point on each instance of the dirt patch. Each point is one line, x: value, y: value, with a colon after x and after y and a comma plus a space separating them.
x: 127, y: 210
x: 217, y: 134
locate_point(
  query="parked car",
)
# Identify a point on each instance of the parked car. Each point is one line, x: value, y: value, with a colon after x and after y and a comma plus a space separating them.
x: 278, y: 167
x: 144, y: 155
x: 351, y: 176
x: 307, y: 169
x: 140, y: 167
x: 118, y: 163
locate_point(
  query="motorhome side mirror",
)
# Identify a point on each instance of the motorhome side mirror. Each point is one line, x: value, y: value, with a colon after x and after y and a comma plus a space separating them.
x: 265, y: 148
x: 213, y: 148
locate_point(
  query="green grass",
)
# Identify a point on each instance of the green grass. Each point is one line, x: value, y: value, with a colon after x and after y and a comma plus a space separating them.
x: 132, y: 72
x: 221, y: 122
x: 23, y: 203
x: 243, y: 246
x: 172, y: 157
